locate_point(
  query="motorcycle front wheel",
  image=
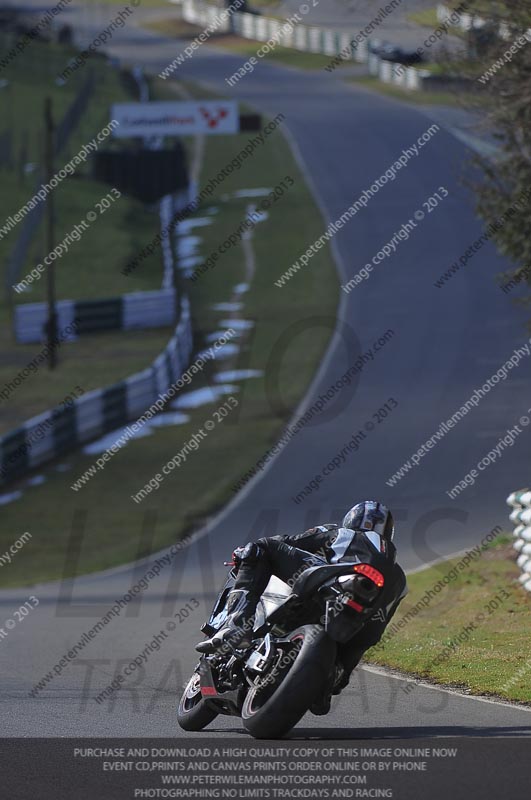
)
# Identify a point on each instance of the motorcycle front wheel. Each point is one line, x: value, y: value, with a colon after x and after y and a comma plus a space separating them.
x: 298, y: 677
x: 193, y: 713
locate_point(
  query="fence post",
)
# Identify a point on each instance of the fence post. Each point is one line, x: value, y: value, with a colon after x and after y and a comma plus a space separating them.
x: 51, y: 324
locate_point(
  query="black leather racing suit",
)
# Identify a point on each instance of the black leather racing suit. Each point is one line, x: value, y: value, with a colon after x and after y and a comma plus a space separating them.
x: 286, y: 556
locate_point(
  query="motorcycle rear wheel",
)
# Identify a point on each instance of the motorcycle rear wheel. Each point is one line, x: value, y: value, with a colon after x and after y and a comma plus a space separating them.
x: 277, y: 702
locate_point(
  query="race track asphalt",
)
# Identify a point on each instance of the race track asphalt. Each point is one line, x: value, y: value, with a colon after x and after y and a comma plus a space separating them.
x: 446, y: 343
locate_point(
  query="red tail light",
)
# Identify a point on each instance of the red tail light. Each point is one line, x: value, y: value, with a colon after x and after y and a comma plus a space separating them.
x: 371, y: 573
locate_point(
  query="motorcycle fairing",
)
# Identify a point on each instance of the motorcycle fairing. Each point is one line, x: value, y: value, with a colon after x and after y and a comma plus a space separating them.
x: 219, y: 611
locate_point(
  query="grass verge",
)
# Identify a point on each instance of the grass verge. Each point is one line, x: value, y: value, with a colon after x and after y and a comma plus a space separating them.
x: 427, y: 18
x: 495, y: 658
x: 408, y: 95
x: 111, y: 532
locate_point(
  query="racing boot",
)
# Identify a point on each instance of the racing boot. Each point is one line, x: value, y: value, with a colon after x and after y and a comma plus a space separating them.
x: 321, y: 707
x: 238, y: 629
x: 336, y: 684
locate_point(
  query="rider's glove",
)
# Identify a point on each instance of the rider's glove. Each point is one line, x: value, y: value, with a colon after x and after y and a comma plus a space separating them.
x: 249, y: 552
x: 238, y: 555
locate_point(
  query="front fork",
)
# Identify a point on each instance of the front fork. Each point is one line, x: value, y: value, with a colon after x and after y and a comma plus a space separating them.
x: 223, y: 702
x: 257, y: 663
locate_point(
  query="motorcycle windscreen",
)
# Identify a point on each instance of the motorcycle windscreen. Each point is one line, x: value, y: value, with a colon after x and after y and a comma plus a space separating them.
x: 219, y: 611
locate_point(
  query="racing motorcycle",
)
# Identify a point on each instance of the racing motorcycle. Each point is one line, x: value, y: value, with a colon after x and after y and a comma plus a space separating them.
x: 292, y: 660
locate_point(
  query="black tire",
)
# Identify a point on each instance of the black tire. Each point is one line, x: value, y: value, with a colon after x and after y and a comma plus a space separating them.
x: 193, y: 713
x: 271, y: 709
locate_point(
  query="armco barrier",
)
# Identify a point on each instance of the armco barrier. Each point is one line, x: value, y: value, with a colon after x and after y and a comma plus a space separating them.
x: 520, y: 502
x: 134, y: 311
x: 60, y: 430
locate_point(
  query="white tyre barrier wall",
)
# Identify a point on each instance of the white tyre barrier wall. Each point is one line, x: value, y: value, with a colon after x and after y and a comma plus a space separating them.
x: 134, y: 311
x: 308, y: 39
x: 396, y: 74
x: 465, y: 21
x: 520, y: 502
x: 256, y: 26
x: 205, y: 15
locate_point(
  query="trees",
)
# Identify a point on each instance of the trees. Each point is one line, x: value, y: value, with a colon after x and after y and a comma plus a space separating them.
x: 506, y: 85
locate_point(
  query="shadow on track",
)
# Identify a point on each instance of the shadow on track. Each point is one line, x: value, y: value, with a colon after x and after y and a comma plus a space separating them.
x: 410, y: 733
x: 368, y: 734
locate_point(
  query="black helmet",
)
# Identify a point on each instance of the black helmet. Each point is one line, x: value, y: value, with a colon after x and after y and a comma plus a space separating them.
x: 371, y: 516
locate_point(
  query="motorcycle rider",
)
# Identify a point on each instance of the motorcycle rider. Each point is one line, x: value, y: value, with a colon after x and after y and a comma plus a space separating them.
x: 366, y: 535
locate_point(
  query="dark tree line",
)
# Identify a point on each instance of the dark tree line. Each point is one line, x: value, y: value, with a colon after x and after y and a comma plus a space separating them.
x: 506, y: 91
